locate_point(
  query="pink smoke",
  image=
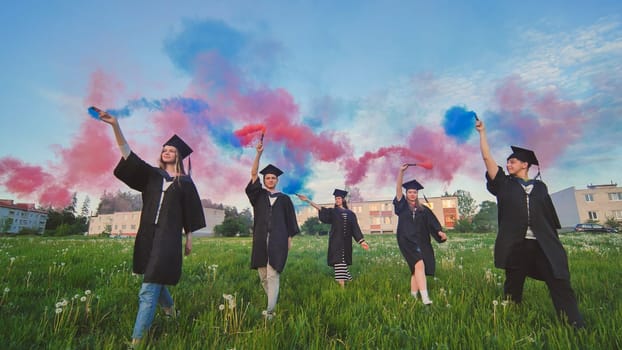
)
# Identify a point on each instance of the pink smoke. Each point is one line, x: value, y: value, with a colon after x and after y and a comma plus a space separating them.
x: 249, y: 133
x: 532, y: 119
x: 356, y: 169
x: 32, y: 182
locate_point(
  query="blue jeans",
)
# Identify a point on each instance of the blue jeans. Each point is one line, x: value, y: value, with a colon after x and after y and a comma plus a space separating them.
x: 148, y: 298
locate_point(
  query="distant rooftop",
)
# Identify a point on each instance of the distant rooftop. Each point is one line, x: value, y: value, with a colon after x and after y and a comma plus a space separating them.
x: 612, y: 184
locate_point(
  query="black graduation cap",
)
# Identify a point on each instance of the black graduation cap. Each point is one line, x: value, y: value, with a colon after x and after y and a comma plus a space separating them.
x: 340, y: 193
x: 524, y: 155
x: 182, y: 147
x: 271, y: 169
x: 412, y: 185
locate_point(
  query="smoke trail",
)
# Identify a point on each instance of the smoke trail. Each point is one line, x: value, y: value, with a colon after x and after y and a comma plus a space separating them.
x: 186, y: 105
x: 356, y: 169
x: 247, y: 134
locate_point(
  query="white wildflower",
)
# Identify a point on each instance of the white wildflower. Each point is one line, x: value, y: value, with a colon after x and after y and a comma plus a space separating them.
x: 59, y: 310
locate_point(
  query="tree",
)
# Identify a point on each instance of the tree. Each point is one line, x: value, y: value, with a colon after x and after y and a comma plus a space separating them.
x: 230, y: 227
x: 73, y: 206
x: 313, y: 226
x: 612, y: 222
x: 466, y: 204
x: 5, y: 225
x: 486, y: 219
x: 120, y: 201
x: 463, y: 225
x: 86, y: 207
x: 235, y: 224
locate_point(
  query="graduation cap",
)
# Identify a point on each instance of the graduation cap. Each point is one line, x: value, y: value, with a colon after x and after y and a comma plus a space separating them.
x: 524, y: 155
x: 182, y: 147
x: 412, y: 185
x: 340, y: 193
x: 271, y: 169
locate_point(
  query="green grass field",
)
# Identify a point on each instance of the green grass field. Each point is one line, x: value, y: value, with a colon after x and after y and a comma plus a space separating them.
x: 79, y: 293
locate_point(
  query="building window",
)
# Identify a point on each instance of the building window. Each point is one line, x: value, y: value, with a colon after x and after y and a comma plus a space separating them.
x: 615, y: 196
x: 448, y: 203
x: 592, y: 215
x: 589, y: 197
x: 617, y: 214
x: 373, y: 207
x: 387, y: 220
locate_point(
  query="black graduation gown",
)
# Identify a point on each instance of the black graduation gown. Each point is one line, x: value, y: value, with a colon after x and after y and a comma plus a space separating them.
x: 413, y: 236
x: 342, y: 231
x: 512, y: 205
x: 278, y: 221
x: 158, y: 250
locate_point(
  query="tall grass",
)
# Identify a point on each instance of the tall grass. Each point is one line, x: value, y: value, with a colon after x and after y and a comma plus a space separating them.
x: 59, y: 293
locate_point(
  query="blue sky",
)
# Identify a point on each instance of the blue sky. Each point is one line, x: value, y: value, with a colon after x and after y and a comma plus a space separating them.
x: 373, y: 74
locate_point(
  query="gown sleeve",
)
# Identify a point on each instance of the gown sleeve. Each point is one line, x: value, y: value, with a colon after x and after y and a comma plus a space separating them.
x: 194, y: 217
x: 292, y: 224
x: 356, y: 229
x: 433, y: 225
x: 326, y: 215
x: 399, y: 206
x: 253, y: 190
x: 134, y: 172
x: 493, y: 185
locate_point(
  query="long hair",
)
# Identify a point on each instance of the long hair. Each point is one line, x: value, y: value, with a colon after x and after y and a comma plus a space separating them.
x: 179, y: 163
x: 418, y: 204
x: 344, y: 204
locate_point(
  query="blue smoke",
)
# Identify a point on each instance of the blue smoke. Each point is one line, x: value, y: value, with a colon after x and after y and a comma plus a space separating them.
x: 188, y: 106
x: 459, y: 123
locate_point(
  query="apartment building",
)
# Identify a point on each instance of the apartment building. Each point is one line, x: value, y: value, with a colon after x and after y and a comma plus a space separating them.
x: 596, y: 203
x: 17, y: 216
x: 378, y: 216
x: 125, y: 224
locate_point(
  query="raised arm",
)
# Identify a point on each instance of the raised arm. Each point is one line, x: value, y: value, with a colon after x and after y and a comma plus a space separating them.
x: 400, y: 180
x: 304, y: 198
x: 255, y: 168
x: 118, y: 134
x: 491, y: 165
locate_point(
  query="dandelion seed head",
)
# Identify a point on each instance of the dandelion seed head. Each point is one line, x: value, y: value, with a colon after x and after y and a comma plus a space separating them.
x: 59, y: 304
x: 6, y: 290
x: 87, y: 292
x: 59, y: 310
x: 76, y: 296
x: 83, y: 299
x: 495, y: 302
x: 221, y: 307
